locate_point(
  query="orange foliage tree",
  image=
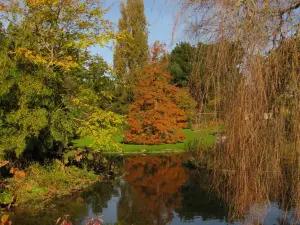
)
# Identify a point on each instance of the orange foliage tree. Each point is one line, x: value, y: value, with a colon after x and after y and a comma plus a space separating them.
x: 154, y: 116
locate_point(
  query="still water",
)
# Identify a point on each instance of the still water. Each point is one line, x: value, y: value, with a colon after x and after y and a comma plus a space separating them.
x: 158, y: 190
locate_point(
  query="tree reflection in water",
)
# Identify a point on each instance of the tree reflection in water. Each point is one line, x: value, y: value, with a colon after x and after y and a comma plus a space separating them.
x: 159, y: 188
x: 159, y: 191
x: 152, y: 190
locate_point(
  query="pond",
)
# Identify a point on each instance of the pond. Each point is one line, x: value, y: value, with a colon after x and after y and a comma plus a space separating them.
x: 157, y: 190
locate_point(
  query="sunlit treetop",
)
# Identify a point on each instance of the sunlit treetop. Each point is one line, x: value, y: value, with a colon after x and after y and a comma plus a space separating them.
x: 55, y: 31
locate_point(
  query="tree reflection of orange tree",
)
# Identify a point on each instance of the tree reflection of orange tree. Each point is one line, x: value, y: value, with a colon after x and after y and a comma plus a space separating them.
x: 154, y: 190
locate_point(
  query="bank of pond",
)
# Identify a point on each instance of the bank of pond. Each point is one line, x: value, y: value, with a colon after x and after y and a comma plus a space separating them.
x: 77, y: 167
x: 156, y: 190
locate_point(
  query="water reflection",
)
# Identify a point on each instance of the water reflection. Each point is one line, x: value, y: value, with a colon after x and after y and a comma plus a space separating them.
x: 157, y: 191
x: 151, y: 190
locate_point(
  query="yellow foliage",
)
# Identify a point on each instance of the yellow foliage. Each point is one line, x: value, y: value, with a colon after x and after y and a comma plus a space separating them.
x: 28, y: 55
x: 41, y: 2
x: 100, y: 125
x: 66, y: 63
x: 3, y: 163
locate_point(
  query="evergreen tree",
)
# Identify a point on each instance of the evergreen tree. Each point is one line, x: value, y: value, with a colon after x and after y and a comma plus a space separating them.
x: 181, y: 63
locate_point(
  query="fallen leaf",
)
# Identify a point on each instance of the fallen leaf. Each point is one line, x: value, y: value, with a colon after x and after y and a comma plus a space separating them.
x: 4, y: 219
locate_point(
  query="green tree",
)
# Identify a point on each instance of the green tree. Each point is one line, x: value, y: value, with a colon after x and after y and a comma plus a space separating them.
x: 138, y: 28
x: 188, y: 105
x: 121, y: 50
x: 132, y: 54
x: 45, y: 97
x: 197, y: 78
x: 181, y: 63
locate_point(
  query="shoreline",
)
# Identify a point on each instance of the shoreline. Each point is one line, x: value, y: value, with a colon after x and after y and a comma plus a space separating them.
x: 167, y: 152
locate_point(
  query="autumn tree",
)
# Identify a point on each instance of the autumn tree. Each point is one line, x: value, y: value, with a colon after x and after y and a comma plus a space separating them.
x: 154, y: 116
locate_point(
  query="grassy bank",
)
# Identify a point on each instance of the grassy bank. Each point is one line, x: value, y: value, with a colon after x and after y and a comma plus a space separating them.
x: 40, y: 184
x: 206, y: 137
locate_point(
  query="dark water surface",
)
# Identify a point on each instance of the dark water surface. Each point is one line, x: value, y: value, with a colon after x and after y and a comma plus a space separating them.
x: 156, y: 191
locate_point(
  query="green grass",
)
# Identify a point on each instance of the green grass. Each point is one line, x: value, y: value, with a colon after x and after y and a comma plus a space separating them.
x: 205, y: 137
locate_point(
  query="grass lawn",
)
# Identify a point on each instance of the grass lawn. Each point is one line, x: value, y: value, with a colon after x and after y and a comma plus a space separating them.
x: 206, y: 137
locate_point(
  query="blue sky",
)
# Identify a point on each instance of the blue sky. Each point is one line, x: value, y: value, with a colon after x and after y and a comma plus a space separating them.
x: 160, y: 14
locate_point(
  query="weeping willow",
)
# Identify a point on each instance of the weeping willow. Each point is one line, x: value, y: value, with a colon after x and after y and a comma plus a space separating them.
x: 248, y: 71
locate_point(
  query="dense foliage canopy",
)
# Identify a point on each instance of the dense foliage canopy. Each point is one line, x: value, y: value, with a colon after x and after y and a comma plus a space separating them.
x: 181, y: 59
x: 51, y: 86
